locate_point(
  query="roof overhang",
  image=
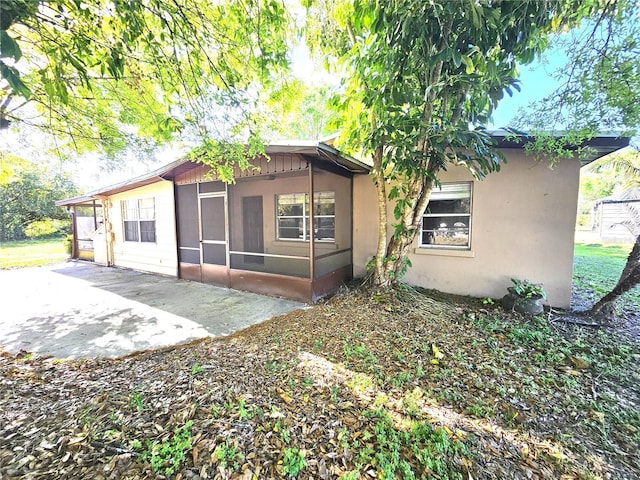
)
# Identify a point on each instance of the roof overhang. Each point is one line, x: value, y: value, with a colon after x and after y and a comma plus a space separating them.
x: 599, y: 146
x: 137, y: 182
x: 319, y: 150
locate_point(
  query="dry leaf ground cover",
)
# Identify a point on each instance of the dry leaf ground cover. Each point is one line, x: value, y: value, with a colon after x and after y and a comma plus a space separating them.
x: 403, y: 385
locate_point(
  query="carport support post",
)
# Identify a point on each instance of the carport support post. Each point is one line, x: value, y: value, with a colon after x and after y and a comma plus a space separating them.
x: 74, y: 233
x: 311, y: 229
x: 95, y: 218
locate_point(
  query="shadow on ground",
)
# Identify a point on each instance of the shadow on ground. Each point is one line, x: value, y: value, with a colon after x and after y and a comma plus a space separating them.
x: 80, y: 309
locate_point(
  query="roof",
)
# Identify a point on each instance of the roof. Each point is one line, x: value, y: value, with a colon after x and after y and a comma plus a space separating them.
x: 136, y: 182
x: 628, y: 196
x: 601, y: 145
x: 324, y: 152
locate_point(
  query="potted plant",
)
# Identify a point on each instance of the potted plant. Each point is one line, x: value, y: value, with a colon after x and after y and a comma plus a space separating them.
x: 524, y: 297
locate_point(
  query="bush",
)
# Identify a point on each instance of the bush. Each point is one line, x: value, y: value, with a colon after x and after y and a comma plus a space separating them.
x: 68, y: 244
x: 46, y: 228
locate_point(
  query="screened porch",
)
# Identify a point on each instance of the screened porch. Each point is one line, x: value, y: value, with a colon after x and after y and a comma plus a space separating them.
x: 283, y: 229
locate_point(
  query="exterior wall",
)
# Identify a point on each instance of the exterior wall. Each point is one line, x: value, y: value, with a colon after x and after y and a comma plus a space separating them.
x: 522, y: 226
x: 611, y: 217
x: 159, y: 257
x: 277, y: 164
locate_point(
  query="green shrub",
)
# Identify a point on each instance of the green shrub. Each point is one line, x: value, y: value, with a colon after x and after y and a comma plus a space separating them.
x: 526, y: 289
x: 46, y: 228
x: 68, y: 244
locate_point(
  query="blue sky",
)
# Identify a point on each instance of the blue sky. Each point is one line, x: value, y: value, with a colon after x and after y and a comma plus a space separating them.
x: 536, y: 82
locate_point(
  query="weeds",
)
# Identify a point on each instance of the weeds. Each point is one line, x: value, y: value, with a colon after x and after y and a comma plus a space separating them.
x: 293, y: 462
x: 363, y: 355
x: 167, y: 457
x: 432, y: 449
x: 136, y: 400
x: 228, y: 456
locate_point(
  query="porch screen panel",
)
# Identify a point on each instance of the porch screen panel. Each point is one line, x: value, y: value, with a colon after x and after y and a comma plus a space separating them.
x: 188, y: 236
x: 214, y: 254
x: 213, y: 219
x: 333, y: 223
x: 87, y: 224
x: 210, y: 187
x: 214, y: 248
x: 274, y: 263
x: 331, y: 263
x: 253, y: 229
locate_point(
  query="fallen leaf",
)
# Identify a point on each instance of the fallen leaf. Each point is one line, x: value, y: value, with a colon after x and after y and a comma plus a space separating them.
x: 579, y: 363
x: 284, y: 396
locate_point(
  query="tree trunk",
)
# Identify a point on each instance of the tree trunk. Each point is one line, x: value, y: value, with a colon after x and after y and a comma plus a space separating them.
x: 629, y: 278
x: 391, y: 256
x: 378, y: 179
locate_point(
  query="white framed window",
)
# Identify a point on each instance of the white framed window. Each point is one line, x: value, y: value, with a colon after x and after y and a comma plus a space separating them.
x: 139, y: 220
x: 447, y: 222
x: 292, y: 216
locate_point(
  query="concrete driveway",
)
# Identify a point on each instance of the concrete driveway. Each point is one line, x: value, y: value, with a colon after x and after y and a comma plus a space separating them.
x: 79, y: 309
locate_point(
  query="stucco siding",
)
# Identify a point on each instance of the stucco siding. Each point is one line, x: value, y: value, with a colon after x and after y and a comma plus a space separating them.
x: 159, y: 256
x: 522, y: 225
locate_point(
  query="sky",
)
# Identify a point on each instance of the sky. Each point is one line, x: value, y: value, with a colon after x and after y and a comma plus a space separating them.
x: 536, y: 82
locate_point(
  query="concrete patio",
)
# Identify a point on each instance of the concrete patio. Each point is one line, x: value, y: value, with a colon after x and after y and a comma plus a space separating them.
x: 79, y: 309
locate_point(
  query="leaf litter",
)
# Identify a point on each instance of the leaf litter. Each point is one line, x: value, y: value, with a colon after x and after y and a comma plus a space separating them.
x: 405, y: 384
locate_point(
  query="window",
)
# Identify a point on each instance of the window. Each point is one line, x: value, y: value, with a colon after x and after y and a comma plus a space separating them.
x: 293, y: 216
x: 448, y: 219
x: 139, y: 218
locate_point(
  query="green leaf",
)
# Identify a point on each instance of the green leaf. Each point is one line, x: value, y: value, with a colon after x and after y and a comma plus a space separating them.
x: 470, y: 68
x: 9, y: 48
x: 457, y: 58
x: 12, y: 76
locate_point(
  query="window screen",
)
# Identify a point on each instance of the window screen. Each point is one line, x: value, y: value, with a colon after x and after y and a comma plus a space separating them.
x: 139, y: 224
x: 447, y: 222
x: 293, y: 216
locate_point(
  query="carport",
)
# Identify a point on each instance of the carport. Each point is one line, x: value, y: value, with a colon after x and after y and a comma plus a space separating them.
x: 80, y: 309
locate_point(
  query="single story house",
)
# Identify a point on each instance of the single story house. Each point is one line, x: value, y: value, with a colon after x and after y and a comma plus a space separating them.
x: 617, y: 216
x: 264, y: 234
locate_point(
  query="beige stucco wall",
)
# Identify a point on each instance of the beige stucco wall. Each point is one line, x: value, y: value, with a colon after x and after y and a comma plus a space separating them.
x: 522, y: 226
x: 159, y: 257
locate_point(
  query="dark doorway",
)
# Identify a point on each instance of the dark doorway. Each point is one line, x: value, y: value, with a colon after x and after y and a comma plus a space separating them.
x: 252, y: 228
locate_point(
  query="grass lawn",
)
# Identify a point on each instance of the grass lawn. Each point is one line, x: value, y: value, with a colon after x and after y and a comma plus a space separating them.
x: 596, y: 271
x: 30, y: 253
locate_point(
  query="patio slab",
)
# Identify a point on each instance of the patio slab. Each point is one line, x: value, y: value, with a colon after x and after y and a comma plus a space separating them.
x: 80, y: 309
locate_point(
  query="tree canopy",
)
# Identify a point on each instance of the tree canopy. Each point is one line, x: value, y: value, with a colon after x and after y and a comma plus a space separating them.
x: 28, y: 193
x: 599, y: 83
x: 97, y: 72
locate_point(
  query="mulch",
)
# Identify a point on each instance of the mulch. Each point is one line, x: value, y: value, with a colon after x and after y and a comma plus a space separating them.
x: 310, y: 380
